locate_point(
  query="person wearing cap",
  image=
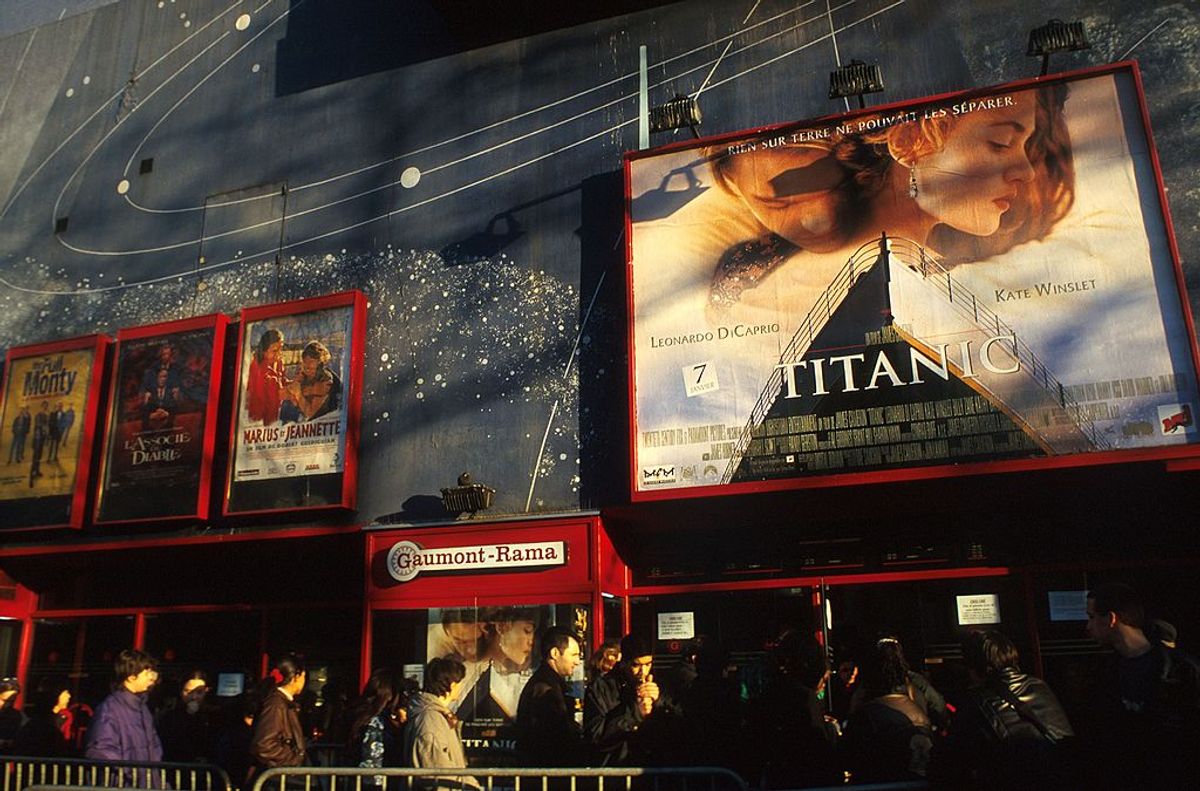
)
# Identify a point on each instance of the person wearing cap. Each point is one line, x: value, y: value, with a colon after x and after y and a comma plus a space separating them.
x: 619, y: 703
x: 1163, y: 632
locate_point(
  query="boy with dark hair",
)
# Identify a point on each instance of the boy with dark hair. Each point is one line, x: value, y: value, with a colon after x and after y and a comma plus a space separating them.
x: 431, y: 740
x: 123, y: 728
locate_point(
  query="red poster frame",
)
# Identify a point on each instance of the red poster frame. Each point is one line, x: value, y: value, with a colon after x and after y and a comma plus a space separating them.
x: 99, y: 346
x: 219, y: 323
x: 352, y: 390
x: 1186, y: 455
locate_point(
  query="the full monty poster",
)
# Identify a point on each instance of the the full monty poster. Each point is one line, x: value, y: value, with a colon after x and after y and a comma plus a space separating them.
x: 50, y: 400
x: 45, y: 399
x: 291, y: 415
x: 158, y: 446
x: 979, y: 277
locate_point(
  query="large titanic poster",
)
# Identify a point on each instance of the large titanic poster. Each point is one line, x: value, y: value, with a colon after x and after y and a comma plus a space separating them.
x: 159, y: 443
x: 980, y: 277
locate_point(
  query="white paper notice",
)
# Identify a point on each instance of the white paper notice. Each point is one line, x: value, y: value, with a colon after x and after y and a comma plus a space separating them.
x: 981, y: 608
x: 676, y: 625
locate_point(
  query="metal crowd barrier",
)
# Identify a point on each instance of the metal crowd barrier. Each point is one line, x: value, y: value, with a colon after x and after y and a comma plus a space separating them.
x: 901, y: 785
x: 22, y: 773
x: 474, y: 778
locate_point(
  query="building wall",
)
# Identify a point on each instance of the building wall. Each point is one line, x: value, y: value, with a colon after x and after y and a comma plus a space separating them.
x: 461, y: 169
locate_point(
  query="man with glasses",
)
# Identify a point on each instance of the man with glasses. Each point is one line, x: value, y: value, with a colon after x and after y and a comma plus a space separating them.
x: 123, y: 728
x: 619, y: 703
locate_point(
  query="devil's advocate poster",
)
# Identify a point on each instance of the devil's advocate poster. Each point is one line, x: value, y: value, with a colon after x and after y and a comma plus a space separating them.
x: 980, y: 277
x: 158, y: 449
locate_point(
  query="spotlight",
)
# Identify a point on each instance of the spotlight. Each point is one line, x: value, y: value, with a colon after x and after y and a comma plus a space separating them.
x: 467, y: 496
x: 855, y: 79
x: 676, y: 114
x: 1056, y: 36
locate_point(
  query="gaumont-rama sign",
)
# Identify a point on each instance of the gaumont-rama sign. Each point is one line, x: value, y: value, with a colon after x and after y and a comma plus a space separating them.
x: 407, y: 559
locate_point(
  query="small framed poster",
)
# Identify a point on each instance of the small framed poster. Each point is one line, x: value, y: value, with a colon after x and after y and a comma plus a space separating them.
x: 294, y: 438
x: 161, y: 426
x: 51, y: 395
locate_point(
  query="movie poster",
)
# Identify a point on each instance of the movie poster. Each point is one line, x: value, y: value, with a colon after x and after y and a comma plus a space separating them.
x: 498, y: 647
x: 974, y: 278
x: 291, y: 415
x: 41, y: 429
x: 155, y: 450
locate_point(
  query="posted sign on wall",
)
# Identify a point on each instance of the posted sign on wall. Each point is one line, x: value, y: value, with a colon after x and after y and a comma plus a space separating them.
x: 984, y: 277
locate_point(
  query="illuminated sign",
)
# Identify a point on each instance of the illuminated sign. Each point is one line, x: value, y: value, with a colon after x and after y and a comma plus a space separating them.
x: 406, y: 559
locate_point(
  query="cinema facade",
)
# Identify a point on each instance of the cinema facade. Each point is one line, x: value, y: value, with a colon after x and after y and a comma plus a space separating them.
x: 789, y: 406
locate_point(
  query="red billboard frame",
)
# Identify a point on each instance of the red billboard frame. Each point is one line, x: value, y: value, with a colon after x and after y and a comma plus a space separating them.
x: 352, y: 393
x: 98, y: 344
x: 1169, y: 454
x: 219, y: 323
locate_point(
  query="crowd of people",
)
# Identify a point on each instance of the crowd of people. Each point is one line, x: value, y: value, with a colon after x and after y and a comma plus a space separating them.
x: 873, y: 719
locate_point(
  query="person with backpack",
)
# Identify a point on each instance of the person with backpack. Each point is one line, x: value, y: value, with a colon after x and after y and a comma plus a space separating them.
x: 1010, y: 732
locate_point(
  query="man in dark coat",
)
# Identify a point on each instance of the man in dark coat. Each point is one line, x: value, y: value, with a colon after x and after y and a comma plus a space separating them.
x: 620, y: 702
x: 123, y: 728
x: 20, y: 430
x: 547, y: 734
x: 41, y: 432
x: 54, y: 431
x: 1153, y: 698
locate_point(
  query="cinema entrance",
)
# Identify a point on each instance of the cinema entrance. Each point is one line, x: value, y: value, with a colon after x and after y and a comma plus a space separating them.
x: 480, y: 595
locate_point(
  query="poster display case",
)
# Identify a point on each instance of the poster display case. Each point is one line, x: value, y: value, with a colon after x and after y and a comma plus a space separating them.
x: 161, y: 425
x: 294, y: 432
x: 51, y: 400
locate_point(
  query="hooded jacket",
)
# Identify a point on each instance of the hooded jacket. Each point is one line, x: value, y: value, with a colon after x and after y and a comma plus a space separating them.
x: 431, y: 742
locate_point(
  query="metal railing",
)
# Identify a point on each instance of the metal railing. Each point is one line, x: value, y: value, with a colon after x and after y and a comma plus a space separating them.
x: 475, y: 778
x: 24, y: 772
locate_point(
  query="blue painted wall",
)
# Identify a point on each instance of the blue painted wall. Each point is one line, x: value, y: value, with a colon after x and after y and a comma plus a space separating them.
x: 466, y: 180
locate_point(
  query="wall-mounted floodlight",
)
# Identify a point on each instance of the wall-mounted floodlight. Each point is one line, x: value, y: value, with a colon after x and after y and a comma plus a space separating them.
x: 855, y: 79
x: 467, y: 497
x: 682, y: 111
x: 1056, y: 36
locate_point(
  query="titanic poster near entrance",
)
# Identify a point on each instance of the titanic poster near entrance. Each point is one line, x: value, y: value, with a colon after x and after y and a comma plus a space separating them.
x: 982, y: 277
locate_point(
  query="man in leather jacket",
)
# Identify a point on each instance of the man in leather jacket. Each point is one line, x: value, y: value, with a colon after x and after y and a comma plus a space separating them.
x: 1010, y: 729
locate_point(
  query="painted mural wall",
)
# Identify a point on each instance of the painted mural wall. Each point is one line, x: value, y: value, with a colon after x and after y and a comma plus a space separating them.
x: 161, y: 159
